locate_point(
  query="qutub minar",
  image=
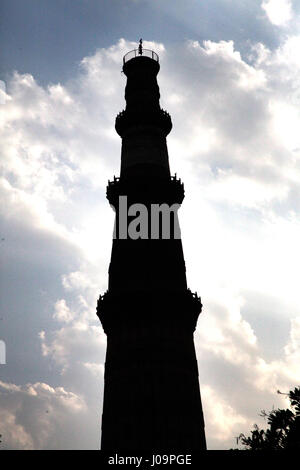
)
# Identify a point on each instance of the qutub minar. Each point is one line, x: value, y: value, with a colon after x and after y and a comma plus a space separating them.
x: 151, y: 387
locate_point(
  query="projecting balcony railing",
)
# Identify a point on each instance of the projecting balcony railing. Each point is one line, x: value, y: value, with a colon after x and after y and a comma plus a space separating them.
x: 180, y: 308
x: 168, y: 191
x: 137, y: 53
x: 126, y: 120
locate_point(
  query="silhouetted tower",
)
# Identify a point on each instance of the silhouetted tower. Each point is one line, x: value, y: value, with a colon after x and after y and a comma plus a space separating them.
x: 151, y: 387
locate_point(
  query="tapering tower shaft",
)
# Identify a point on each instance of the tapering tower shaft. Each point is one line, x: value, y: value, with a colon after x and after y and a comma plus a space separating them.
x: 151, y: 392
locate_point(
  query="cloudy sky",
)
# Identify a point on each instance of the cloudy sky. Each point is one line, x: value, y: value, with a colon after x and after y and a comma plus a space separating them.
x: 230, y: 80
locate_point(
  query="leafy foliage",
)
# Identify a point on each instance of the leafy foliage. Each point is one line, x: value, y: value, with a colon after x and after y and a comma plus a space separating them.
x: 284, y: 428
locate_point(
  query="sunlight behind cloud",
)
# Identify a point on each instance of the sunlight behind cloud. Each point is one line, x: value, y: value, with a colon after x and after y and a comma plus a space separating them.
x: 279, y: 12
x: 286, y: 122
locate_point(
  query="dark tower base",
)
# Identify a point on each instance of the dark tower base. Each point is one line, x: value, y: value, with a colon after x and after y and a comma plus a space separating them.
x: 152, y: 397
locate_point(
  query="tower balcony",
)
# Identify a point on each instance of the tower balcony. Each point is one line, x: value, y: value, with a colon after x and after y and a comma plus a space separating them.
x: 139, y: 59
x: 162, y: 308
x: 170, y: 190
x: 126, y: 121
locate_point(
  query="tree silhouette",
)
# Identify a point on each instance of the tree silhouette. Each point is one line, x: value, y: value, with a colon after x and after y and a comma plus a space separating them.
x: 284, y: 428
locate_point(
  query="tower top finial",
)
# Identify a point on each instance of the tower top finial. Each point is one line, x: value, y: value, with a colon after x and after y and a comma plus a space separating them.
x: 140, y: 52
x: 141, y: 47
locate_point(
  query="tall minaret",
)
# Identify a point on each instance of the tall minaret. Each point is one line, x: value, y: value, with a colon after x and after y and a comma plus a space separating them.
x: 151, y: 387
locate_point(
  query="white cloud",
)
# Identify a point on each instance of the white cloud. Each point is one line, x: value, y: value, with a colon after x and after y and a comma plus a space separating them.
x: 279, y: 12
x: 35, y: 416
x: 78, y: 342
x: 62, y: 313
x: 95, y: 368
x: 223, y: 422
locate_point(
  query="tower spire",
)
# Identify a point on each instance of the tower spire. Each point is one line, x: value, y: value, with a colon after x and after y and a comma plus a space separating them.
x: 141, y: 47
x: 151, y: 388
